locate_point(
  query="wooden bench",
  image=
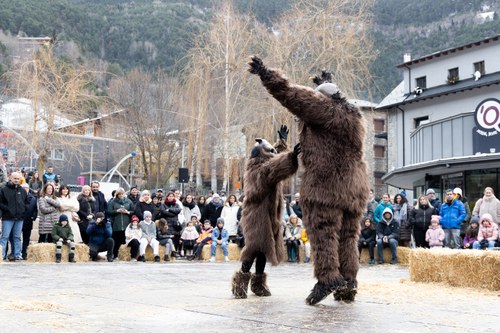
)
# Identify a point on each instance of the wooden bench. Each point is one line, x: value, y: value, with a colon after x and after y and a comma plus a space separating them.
x: 46, y: 252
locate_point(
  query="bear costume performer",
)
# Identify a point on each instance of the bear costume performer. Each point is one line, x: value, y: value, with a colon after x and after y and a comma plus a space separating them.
x: 334, y: 189
x: 262, y: 212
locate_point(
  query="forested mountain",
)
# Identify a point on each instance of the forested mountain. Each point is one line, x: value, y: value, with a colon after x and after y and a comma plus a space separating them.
x: 157, y: 33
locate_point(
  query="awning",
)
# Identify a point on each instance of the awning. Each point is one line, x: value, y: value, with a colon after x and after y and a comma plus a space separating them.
x: 405, y: 177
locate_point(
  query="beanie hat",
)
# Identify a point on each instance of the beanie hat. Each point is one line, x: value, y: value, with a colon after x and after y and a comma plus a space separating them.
x: 429, y: 191
x: 194, y: 215
x: 215, y: 195
x: 458, y: 190
x: 220, y: 220
x: 134, y: 219
x: 147, y: 213
x: 435, y: 218
x: 99, y: 215
x: 63, y: 217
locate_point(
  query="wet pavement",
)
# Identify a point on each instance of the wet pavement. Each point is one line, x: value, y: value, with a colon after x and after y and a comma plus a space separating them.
x: 195, y: 297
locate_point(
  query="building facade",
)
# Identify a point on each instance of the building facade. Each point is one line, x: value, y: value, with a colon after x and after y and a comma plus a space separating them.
x: 444, y: 121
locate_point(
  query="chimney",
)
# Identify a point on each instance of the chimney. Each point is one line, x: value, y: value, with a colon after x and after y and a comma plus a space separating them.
x: 407, y: 57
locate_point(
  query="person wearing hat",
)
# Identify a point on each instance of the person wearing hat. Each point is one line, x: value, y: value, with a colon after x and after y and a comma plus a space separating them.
x: 62, y: 234
x: 213, y: 210
x: 431, y: 196
x: 487, y: 235
x: 435, y: 234
x: 220, y: 236
x: 148, y: 228
x: 458, y: 192
x: 471, y: 233
x: 100, y: 232
x: 133, y: 235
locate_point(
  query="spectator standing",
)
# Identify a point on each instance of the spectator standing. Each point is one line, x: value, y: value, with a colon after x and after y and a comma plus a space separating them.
x: 230, y: 214
x: 201, y: 202
x: 69, y: 206
x: 48, y: 213
x: 100, y: 232
x: 488, y: 233
x: 213, y: 210
x: 452, y: 214
x: 458, y: 192
x: 145, y: 203
x: 120, y: 210
x: 220, y: 237
x: 35, y: 184
x: 384, y: 203
x: 471, y: 233
x: 420, y: 219
x: 133, y: 195
x: 62, y: 235
x: 431, y: 196
x: 178, y: 199
x: 49, y: 175
x: 13, y: 204
x: 100, y: 204
x: 387, y: 236
x: 133, y: 235
x: 85, y: 213
x: 367, y: 238
x: 170, y: 210
x: 190, y: 208
x: 29, y: 217
x: 488, y: 204
x: 401, y: 215
x: 435, y: 234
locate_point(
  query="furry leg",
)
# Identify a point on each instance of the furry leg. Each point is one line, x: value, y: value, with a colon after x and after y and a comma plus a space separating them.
x: 258, y: 285
x: 348, y: 256
x: 240, y: 284
x: 323, y: 229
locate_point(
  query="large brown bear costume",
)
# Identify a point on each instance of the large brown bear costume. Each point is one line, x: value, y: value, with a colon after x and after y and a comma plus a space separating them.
x: 334, y: 188
x: 262, y: 212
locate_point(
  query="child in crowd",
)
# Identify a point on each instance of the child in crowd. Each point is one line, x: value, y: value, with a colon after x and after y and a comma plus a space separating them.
x: 367, y: 238
x: 471, y: 233
x: 487, y: 234
x: 148, y: 237
x: 133, y: 235
x: 189, y: 237
x: 204, y: 238
x: 62, y: 234
x: 307, y: 246
x: 435, y: 234
x: 165, y: 238
x: 293, y: 234
x: 220, y: 236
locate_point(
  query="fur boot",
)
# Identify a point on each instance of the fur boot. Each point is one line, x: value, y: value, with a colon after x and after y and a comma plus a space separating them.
x: 240, y: 284
x: 347, y: 292
x: 258, y: 285
x: 322, y: 290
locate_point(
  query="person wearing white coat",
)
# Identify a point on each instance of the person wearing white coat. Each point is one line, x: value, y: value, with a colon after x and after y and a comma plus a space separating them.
x: 229, y: 213
x: 69, y: 207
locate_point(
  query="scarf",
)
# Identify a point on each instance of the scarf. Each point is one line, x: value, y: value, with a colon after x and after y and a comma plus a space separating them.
x: 217, y: 205
x: 167, y: 202
x: 189, y: 205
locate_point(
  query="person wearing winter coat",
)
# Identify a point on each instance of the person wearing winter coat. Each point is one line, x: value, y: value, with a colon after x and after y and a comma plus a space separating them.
x: 488, y: 233
x: 220, y: 237
x: 133, y: 235
x: 213, y: 210
x: 205, y: 238
x: 293, y: 232
x: 48, y: 213
x: 145, y: 203
x: 435, y: 234
x: 169, y: 210
x: 307, y: 246
x: 387, y: 236
x: 384, y: 203
x: 401, y: 215
x: 69, y: 206
x: 100, y: 232
x: 189, y: 208
x: 189, y: 237
x: 120, y: 210
x: 148, y: 228
x: 367, y: 238
x: 230, y: 215
x: 420, y: 220
x: 471, y: 233
x: 62, y: 234
x: 488, y: 204
x: 86, y: 214
x: 29, y: 217
x: 452, y: 214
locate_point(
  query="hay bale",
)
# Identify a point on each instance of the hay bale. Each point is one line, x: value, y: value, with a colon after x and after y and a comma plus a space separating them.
x: 124, y: 253
x: 458, y: 268
x: 402, y: 255
x: 46, y: 252
x: 233, y: 252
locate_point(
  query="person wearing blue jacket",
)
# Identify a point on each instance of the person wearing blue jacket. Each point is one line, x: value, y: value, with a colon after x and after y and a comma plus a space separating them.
x: 100, y: 233
x: 452, y: 214
x: 384, y: 203
x: 220, y: 236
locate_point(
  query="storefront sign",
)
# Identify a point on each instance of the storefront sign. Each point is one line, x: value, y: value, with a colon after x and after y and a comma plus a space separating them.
x: 486, y: 135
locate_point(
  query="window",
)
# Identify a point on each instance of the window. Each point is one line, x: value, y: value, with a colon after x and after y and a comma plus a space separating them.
x: 421, y: 82
x: 379, y: 125
x: 453, y: 75
x: 379, y: 151
x: 479, y: 67
x: 421, y: 121
x: 378, y: 178
x: 57, y: 154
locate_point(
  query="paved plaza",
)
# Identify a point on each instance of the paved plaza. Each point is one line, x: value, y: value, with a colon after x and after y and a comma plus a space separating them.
x: 195, y: 297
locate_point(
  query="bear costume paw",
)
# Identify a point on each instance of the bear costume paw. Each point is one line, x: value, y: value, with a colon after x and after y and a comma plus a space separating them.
x: 257, y: 67
x: 258, y: 285
x: 347, y: 293
x: 322, y: 290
